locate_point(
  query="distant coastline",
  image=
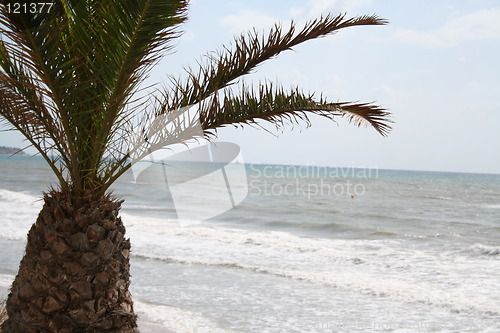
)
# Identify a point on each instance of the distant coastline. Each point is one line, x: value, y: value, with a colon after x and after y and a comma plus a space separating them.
x: 9, y: 150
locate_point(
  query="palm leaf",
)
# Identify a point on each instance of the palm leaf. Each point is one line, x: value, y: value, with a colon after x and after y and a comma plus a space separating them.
x: 85, y: 60
x: 250, y: 50
x: 275, y: 105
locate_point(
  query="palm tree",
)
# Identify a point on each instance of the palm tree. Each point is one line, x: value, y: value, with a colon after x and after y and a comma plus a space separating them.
x: 70, y: 75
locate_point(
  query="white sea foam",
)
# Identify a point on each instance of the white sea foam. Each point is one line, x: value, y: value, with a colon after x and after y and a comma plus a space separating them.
x: 6, y: 280
x: 399, y: 288
x: 438, y: 197
x: 386, y: 268
x: 497, y: 206
x: 168, y: 318
x: 482, y: 250
x: 18, y: 212
x: 20, y: 198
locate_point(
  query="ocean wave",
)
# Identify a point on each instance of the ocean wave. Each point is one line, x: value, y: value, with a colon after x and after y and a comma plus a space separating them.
x: 142, y: 207
x: 6, y: 280
x: 436, y: 197
x: 481, y: 250
x: 304, y: 225
x: 19, y: 212
x: 377, y: 286
x: 222, y: 238
x: 20, y: 197
x: 381, y: 268
x: 13, y: 235
x: 383, y: 233
x: 491, y: 206
x: 158, y: 318
x: 150, y: 224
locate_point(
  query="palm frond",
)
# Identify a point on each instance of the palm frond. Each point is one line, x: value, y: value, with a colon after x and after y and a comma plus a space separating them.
x: 25, y: 116
x: 250, y: 50
x: 84, y: 59
x: 275, y: 105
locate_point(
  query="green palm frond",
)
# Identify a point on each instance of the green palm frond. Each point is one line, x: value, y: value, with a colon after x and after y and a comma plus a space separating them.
x: 22, y: 105
x: 84, y: 59
x: 279, y: 107
x: 250, y: 50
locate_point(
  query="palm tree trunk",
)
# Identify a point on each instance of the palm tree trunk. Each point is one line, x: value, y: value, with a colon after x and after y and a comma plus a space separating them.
x: 74, y: 276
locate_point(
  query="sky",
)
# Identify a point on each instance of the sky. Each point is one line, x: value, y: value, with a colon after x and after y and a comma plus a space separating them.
x: 435, y: 67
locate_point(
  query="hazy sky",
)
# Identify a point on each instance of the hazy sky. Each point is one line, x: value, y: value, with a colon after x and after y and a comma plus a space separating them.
x: 435, y: 67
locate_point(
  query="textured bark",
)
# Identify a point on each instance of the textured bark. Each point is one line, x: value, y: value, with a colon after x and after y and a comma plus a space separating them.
x: 74, y: 276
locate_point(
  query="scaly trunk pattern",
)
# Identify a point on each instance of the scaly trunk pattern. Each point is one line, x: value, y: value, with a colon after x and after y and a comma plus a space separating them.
x: 74, y: 276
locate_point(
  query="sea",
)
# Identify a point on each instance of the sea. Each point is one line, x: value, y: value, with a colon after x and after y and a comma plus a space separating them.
x: 274, y: 248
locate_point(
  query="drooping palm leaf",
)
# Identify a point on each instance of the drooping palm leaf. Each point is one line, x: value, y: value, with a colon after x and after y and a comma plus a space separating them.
x: 22, y: 105
x: 84, y: 59
x: 250, y: 50
x: 275, y: 105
